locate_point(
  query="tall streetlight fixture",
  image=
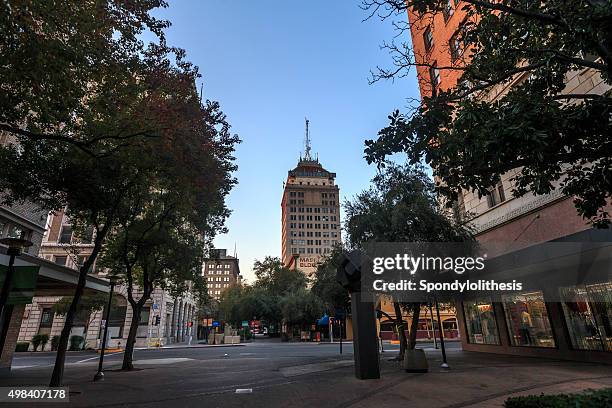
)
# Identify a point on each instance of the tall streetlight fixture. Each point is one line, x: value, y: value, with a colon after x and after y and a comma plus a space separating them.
x: 15, y: 246
x: 441, y: 330
x: 100, y: 374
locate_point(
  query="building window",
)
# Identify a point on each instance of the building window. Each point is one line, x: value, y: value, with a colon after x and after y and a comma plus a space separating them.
x: 480, y: 322
x: 457, y: 45
x: 46, y: 321
x: 87, y: 236
x: 528, y: 321
x: 448, y: 10
x: 588, y: 315
x: 143, y: 323
x: 496, y: 195
x: 428, y: 39
x: 434, y: 75
x: 116, y: 320
x: 61, y: 260
x: 65, y: 234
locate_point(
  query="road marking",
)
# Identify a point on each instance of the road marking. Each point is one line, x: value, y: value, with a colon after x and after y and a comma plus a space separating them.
x: 97, y: 357
x: 314, y: 368
x: 244, y: 390
x: 164, y: 360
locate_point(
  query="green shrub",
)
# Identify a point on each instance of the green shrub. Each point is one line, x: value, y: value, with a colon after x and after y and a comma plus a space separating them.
x: 587, y: 399
x: 76, y: 343
x: 40, y: 339
x: 246, y: 334
x: 55, y: 343
x: 44, y: 339
x: 22, y: 346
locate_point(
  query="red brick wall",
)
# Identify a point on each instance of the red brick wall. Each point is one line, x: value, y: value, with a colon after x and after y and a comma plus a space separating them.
x: 440, y: 52
x: 544, y: 224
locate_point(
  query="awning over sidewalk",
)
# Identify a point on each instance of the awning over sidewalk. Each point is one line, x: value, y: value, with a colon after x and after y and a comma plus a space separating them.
x: 53, y: 279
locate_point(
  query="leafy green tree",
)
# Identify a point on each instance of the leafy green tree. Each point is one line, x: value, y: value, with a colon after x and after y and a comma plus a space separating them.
x: 230, y: 305
x: 156, y: 250
x: 557, y: 138
x: 272, y: 275
x: 263, y: 300
x: 176, y: 144
x: 90, y: 303
x: 67, y: 66
x: 325, y: 286
x: 401, y: 206
x: 300, y: 307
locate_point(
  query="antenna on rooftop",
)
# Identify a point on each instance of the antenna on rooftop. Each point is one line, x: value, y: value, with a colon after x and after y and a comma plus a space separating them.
x: 307, y: 142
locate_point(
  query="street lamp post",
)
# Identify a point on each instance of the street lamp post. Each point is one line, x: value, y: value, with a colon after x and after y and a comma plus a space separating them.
x: 441, y: 331
x: 100, y: 374
x: 433, y: 329
x: 15, y: 245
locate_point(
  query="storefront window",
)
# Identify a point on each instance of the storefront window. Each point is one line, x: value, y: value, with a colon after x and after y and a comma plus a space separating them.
x: 116, y: 321
x: 480, y: 322
x: 528, y: 321
x: 143, y: 324
x: 588, y: 315
x: 46, y: 321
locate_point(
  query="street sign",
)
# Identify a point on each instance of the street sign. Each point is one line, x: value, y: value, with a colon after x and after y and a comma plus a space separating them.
x: 245, y: 323
x: 155, y: 306
x: 215, y: 324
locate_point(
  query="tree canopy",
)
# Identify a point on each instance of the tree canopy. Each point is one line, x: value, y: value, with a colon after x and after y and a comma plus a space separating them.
x: 98, y: 122
x: 556, y: 137
x: 401, y: 206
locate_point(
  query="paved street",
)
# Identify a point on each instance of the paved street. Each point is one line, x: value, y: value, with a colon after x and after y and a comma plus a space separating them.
x: 275, y: 374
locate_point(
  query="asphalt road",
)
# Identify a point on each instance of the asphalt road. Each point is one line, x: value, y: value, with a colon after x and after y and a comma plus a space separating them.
x: 275, y: 374
x: 268, y: 371
x: 263, y: 348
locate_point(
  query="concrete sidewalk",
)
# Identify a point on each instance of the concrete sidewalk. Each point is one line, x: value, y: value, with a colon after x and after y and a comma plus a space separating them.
x: 474, y: 380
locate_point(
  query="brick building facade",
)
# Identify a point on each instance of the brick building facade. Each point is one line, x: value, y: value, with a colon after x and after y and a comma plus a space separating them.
x: 525, y: 323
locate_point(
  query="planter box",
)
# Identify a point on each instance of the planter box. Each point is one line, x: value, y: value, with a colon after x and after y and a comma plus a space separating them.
x: 232, y: 340
x: 415, y: 361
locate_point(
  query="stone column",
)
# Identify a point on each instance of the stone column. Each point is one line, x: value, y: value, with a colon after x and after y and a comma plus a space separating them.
x: 172, y: 327
x: 12, y: 333
x: 178, y: 321
x: 183, y: 326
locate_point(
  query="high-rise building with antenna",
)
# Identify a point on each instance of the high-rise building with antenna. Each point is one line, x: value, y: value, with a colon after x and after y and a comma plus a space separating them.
x: 310, y: 212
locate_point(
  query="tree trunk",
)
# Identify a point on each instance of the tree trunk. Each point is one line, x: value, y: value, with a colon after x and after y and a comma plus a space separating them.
x: 131, y: 340
x: 58, y: 368
x: 399, y: 321
x: 414, y: 325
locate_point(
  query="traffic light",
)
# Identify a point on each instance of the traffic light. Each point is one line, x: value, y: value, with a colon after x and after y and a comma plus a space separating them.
x: 157, y: 320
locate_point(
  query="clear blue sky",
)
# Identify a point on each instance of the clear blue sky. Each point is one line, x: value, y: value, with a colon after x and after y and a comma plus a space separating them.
x: 270, y: 63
